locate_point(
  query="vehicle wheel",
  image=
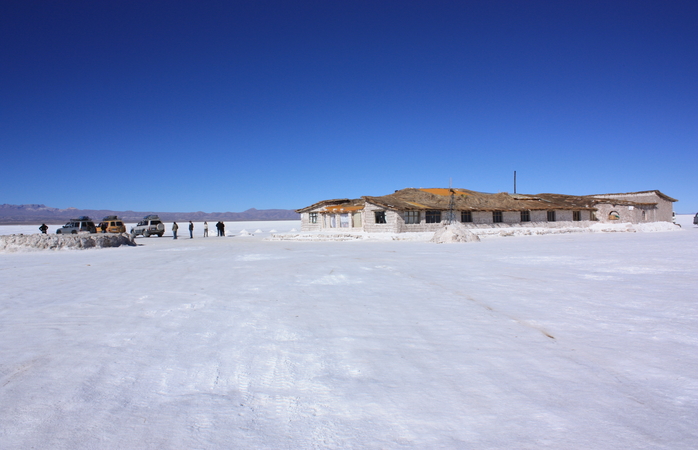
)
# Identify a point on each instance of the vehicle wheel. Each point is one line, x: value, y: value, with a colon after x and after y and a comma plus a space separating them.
x: 74, y: 232
x: 159, y: 234
x: 146, y: 234
x: 58, y: 231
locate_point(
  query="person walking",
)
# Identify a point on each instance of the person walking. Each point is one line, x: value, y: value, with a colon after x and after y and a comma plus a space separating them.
x: 175, y: 227
x: 43, y: 228
x: 191, y: 230
x: 205, y: 229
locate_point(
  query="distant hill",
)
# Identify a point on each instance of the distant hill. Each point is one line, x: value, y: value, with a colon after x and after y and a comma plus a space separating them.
x: 35, y: 214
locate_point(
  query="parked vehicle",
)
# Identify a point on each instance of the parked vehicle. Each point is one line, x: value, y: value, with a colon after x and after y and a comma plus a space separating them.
x: 695, y: 219
x: 111, y: 224
x: 82, y: 224
x: 149, y: 226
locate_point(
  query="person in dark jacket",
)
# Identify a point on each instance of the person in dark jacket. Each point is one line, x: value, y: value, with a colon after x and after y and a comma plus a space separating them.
x: 43, y: 228
x: 191, y: 230
x: 222, y: 229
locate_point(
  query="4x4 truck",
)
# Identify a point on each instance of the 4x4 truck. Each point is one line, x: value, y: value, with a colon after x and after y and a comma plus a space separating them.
x: 111, y: 224
x: 82, y: 224
x: 149, y: 226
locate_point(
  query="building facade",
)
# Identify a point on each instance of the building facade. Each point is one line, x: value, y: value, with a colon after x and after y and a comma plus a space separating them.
x: 418, y: 210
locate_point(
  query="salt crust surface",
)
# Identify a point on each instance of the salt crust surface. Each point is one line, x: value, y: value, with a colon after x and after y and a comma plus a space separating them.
x: 452, y: 234
x: 569, y: 341
x: 483, y: 232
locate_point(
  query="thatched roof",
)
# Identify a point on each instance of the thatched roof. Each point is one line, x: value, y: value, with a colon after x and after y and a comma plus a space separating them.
x: 335, y: 205
x: 439, y: 199
x: 466, y: 200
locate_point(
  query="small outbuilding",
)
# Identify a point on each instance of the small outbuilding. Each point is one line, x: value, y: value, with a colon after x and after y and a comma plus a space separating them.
x: 430, y: 209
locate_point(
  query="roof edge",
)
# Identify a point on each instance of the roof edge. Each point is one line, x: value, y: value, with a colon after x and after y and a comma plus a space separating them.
x: 653, y: 191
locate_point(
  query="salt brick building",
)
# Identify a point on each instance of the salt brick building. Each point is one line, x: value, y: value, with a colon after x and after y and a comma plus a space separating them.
x: 411, y: 210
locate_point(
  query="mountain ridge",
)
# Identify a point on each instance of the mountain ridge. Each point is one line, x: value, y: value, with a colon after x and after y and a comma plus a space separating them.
x: 38, y: 213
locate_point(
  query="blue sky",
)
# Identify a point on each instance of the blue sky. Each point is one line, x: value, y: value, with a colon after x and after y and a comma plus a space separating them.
x: 225, y: 106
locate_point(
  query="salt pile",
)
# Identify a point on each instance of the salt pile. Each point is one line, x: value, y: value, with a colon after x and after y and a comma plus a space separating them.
x: 452, y: 233
x: 20, y: 242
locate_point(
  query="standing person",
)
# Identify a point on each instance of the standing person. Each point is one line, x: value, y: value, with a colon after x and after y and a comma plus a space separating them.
x: 175, y: 227
x: 43, y: 228
x: 218, y: 228
x: 222, y: 229
x: 205, y: 229
x: 191, y: 230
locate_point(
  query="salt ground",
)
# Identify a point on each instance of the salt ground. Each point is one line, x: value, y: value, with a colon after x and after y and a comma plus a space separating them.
x: 583, y: 341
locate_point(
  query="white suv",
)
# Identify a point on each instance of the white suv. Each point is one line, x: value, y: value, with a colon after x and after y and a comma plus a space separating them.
x: 149, y: 226
x: 81, y: 224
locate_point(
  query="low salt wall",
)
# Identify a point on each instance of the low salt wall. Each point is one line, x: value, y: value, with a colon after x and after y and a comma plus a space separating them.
x: 21, y: 242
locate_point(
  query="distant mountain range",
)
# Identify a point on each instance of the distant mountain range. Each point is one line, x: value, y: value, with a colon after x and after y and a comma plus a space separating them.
x: 36, y: 214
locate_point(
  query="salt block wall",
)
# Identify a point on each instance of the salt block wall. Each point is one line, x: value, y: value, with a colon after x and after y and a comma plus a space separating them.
x: 660, y: 213
x: 306, y: 225
x: 369, y: 219
x: 395, y: 220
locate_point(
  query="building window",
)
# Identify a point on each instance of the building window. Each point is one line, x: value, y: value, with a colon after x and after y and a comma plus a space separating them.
x: 551, y: 216
x: 380, y: 217
x: 312, y: 217
x: 411, y: 217
x: 497, y: 216
x: 466, y: 216
x: 525, y: 216
x: 576, y: 216
x: 433, y: 216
